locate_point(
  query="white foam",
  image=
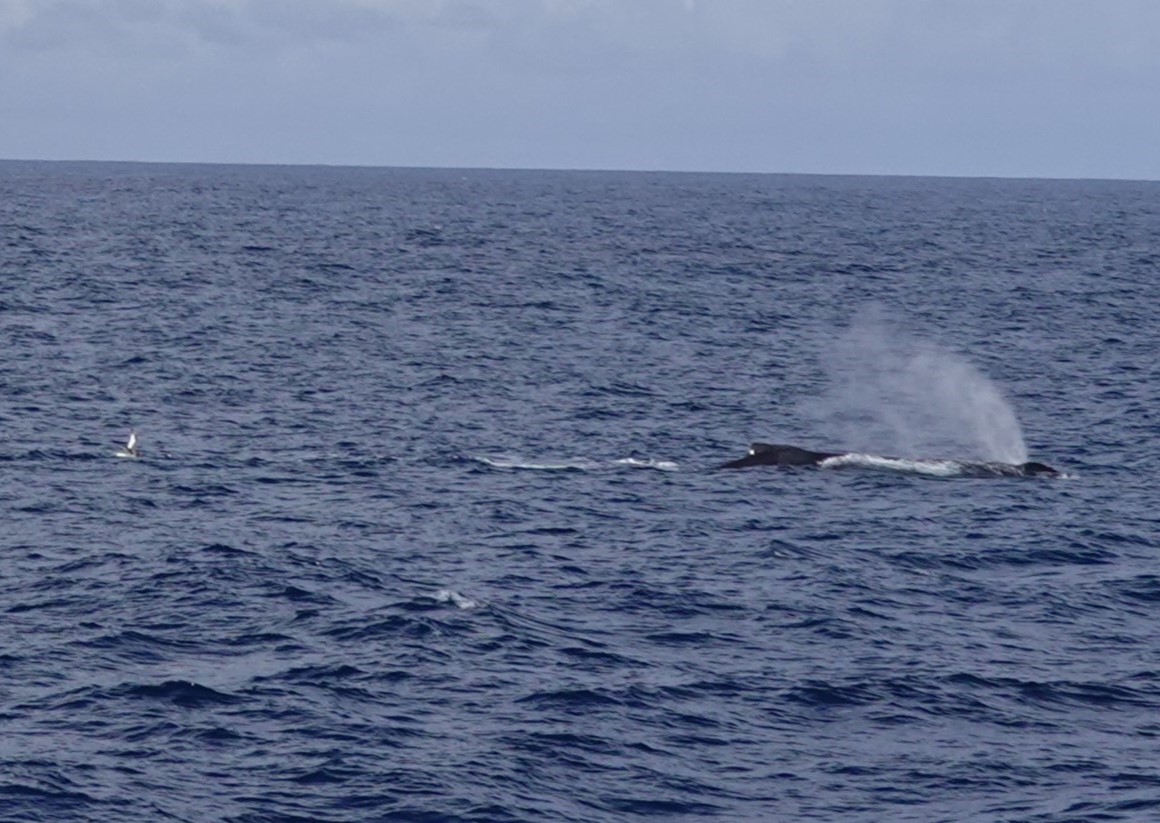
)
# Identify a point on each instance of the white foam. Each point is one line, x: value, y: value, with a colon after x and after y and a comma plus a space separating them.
x: 449, y: 596
x: 517, y: 463
x: 579, y: 464
x: 659, y: 465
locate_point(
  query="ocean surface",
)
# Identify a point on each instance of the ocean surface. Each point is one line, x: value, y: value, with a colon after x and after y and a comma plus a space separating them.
x: 426, y: 525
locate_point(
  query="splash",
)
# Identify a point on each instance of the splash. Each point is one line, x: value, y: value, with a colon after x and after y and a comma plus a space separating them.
x: 892, y: 393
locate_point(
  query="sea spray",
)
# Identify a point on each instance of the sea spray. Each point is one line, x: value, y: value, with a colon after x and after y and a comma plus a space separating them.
x: 891, y: 393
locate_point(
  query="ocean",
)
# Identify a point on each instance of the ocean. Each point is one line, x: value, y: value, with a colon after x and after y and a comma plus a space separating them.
x: 426, y: 522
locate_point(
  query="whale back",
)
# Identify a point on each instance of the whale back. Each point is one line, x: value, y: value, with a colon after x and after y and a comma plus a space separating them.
x: 1034, y: 468
x: 778, y: 454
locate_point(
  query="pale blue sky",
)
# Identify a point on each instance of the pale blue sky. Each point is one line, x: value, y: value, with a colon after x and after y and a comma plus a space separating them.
x: 1038, y: 88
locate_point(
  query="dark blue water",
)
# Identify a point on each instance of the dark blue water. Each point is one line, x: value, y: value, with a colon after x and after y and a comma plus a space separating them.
x: 425, y: 526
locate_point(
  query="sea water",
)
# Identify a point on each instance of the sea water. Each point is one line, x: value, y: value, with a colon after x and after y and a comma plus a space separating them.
x: 424, y: 524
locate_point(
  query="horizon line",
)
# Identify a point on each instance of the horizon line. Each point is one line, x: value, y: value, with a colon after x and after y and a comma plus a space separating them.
x: 573, y: 169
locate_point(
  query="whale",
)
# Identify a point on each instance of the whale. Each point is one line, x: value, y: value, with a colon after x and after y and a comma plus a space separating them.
x: 1032, y: 468
x: 780, y: 454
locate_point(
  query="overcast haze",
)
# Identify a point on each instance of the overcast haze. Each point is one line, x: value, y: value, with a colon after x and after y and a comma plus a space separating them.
x: 1035, y: 88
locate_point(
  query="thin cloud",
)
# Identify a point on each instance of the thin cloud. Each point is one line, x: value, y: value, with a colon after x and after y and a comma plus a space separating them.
x: 954, y: 86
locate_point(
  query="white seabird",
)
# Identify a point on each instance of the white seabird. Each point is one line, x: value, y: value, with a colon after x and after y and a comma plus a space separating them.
x: 130, y: 449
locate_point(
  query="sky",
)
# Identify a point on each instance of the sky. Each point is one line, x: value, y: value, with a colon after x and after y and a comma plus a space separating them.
x: 1012, y: 88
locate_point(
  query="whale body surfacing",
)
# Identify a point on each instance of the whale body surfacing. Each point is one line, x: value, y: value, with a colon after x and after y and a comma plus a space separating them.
x: 771, y: 454
x: 776, y: 454
x: 1032, y: 468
